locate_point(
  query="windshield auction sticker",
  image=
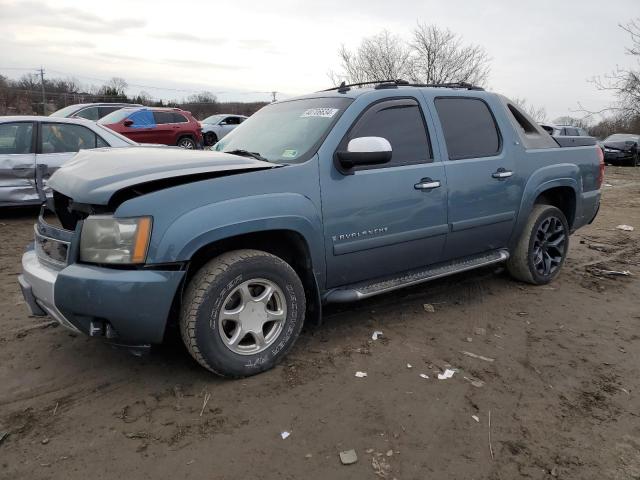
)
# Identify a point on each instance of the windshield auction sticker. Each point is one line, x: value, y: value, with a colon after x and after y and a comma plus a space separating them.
x: 319, y: 112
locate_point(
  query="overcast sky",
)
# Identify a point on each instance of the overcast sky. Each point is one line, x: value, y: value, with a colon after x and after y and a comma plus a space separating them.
x: 542, y: 50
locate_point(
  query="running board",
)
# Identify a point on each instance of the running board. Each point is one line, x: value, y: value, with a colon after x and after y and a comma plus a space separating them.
x: 359, y: 291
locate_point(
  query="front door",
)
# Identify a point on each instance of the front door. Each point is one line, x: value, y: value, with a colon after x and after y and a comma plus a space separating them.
x: 17, y: 163
x: 385, y: 219
x: 484, y: 193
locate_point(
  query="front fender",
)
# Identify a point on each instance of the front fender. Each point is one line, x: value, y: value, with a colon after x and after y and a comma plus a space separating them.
x: 259, y: 213
x: 545, y: 178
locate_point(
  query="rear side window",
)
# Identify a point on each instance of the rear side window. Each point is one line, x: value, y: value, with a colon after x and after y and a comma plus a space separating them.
x: 163, y: 117
x: 107, y: 110
x: 401, y: 123
x: 178, y: 118
x: 15, y: 138
x: 470, y: 130
x: 572, y: 132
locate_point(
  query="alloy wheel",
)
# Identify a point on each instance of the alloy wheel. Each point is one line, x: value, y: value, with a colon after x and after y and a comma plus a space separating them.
x: 549, y: 246
x: 252, y: 316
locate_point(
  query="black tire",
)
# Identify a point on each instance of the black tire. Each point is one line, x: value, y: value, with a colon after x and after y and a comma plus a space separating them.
x: 210, y: 139
x: 524, y: 262
x: 187, y: 143
x: 634, y: 160
x: 207, y: 295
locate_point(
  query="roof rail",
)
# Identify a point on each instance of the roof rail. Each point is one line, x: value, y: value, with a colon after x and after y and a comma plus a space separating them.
x: 380, y: 84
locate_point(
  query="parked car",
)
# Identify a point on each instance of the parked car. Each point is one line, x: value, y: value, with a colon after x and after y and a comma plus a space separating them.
x: 26, y: 142
x: 91, y: 111
x: 564, y: 130
x: 216, y: 127
x: 332, y: 197
x: 622, y: 148
x: 166, y: 126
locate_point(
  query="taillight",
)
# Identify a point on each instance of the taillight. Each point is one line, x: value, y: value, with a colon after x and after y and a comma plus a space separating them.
x: 601, y: 166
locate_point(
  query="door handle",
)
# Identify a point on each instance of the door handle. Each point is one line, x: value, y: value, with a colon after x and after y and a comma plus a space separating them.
x: 427, y: 184
x: 502, y: 173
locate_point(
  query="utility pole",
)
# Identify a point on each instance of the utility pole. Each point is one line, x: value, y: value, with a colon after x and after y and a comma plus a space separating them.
x: 44, y: 98
x: 273, y: 94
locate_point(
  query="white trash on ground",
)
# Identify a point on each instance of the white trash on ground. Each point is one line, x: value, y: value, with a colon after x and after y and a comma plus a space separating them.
x: 361, y: 374
x: 448, y: 373
x: 376, y: 334
x: 284, y: 435
x: 476, y: 418
x: 348, y: 457
x: 422, y: 375
x: 626, y: 228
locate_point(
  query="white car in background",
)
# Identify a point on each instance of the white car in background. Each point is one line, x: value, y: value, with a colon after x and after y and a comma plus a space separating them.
x: 32, y: 148
x: 217, y: 126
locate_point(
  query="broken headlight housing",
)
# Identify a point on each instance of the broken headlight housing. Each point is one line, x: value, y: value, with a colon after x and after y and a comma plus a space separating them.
x: 121, y: 241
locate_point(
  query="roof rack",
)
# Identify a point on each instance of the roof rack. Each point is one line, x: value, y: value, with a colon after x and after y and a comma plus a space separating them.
x: 380, y: 84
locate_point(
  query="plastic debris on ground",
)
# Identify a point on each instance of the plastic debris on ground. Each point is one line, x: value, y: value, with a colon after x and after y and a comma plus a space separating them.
x: 612, y: 273
x: 429, y: 308
x: 448, y: 373
x: 348, y: 457
x: 626, y: 228
x: 284, y: 435
x: 479, y: 357
x: 422, y: 375
x: 361, y: 374
x: 409, y: 365
x: 475, y: 382
x: 476, y: 418
x: 376, y: 334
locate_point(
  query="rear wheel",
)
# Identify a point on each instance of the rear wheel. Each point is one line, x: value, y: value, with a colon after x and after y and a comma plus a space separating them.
x: 210, y: 138
x: 242, y: 312
x: 187, y: 142
x: 542, y: 246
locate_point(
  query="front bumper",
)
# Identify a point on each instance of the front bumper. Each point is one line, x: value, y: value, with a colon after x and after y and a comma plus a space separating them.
x: 617, y: 156
x: 128, y: 307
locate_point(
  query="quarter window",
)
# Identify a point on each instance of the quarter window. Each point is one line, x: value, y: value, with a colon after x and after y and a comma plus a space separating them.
x: 90, y: 113
x: 401, y: 123
x: 63, y: 138
x: 178, y: 118
x: 15, y: 138
x: 470, y: 130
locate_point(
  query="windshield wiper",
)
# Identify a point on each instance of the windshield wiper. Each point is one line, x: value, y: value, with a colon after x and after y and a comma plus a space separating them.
x: 246, y: 153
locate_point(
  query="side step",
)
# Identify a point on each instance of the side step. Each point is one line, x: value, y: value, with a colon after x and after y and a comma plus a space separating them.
x: 359, y: 291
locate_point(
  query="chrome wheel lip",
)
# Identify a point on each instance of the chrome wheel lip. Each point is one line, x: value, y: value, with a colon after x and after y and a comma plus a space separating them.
x: 549, y: 246
x: 260, y: 315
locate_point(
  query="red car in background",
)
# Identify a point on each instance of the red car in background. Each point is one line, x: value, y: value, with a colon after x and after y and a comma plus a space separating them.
x: 168, y: 126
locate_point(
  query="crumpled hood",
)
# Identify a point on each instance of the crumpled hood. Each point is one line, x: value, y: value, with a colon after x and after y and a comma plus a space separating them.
x: 620, y: 144
x: 94, y: 176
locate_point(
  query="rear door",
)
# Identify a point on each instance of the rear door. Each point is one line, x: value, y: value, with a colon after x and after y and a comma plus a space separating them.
x: 17, y: 163
x: 165, y: 130
x: 385, y: 219
x: 484, y: 195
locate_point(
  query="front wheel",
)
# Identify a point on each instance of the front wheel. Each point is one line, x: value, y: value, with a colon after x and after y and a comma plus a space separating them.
x: 210, y: 138
x: 542, y: 246
x: 242, y: 312
x: 635, y: 160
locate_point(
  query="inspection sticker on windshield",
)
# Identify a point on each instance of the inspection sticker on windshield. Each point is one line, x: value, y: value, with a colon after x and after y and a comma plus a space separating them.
x: 290, y: 154
x: 320, y: 112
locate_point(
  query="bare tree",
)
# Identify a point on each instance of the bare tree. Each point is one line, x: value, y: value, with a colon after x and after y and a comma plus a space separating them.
x: 624, y: 83
x: 539, y: 114
x: 439, y: 56
x: 381, y: 57
x: 117, y: 85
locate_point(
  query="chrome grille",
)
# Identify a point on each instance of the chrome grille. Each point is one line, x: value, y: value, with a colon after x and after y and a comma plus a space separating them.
x: 52, y: 244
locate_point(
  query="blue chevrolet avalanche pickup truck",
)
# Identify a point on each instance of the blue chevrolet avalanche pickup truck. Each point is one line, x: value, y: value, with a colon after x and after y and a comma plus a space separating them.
x: 331, y: 197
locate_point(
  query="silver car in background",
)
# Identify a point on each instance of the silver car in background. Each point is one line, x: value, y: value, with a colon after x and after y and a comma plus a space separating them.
x: 217, y: 126
x: 32, y: 148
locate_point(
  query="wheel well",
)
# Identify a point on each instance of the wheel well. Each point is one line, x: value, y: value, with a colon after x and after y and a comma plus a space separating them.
x: 563, y: 198
x: 185, y: 135
x: 286, y: 244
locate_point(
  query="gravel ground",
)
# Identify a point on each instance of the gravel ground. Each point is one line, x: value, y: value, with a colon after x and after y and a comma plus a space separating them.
x: 562, y: 392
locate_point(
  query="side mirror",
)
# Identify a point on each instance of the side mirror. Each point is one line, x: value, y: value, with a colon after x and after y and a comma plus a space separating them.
x: 365, y: 151
x: 128, y: 123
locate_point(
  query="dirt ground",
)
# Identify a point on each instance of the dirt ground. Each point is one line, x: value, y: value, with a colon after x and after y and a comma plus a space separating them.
x: 560, y: 400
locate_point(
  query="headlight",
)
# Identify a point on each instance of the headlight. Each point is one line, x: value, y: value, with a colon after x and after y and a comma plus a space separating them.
x: 115, y: 240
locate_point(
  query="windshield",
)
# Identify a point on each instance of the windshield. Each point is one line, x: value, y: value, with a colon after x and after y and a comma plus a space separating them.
x: 288, y: 132
x: 66, y: 111
x: 115, y: 117
x: 213, y: 119
x: 620, y: 137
